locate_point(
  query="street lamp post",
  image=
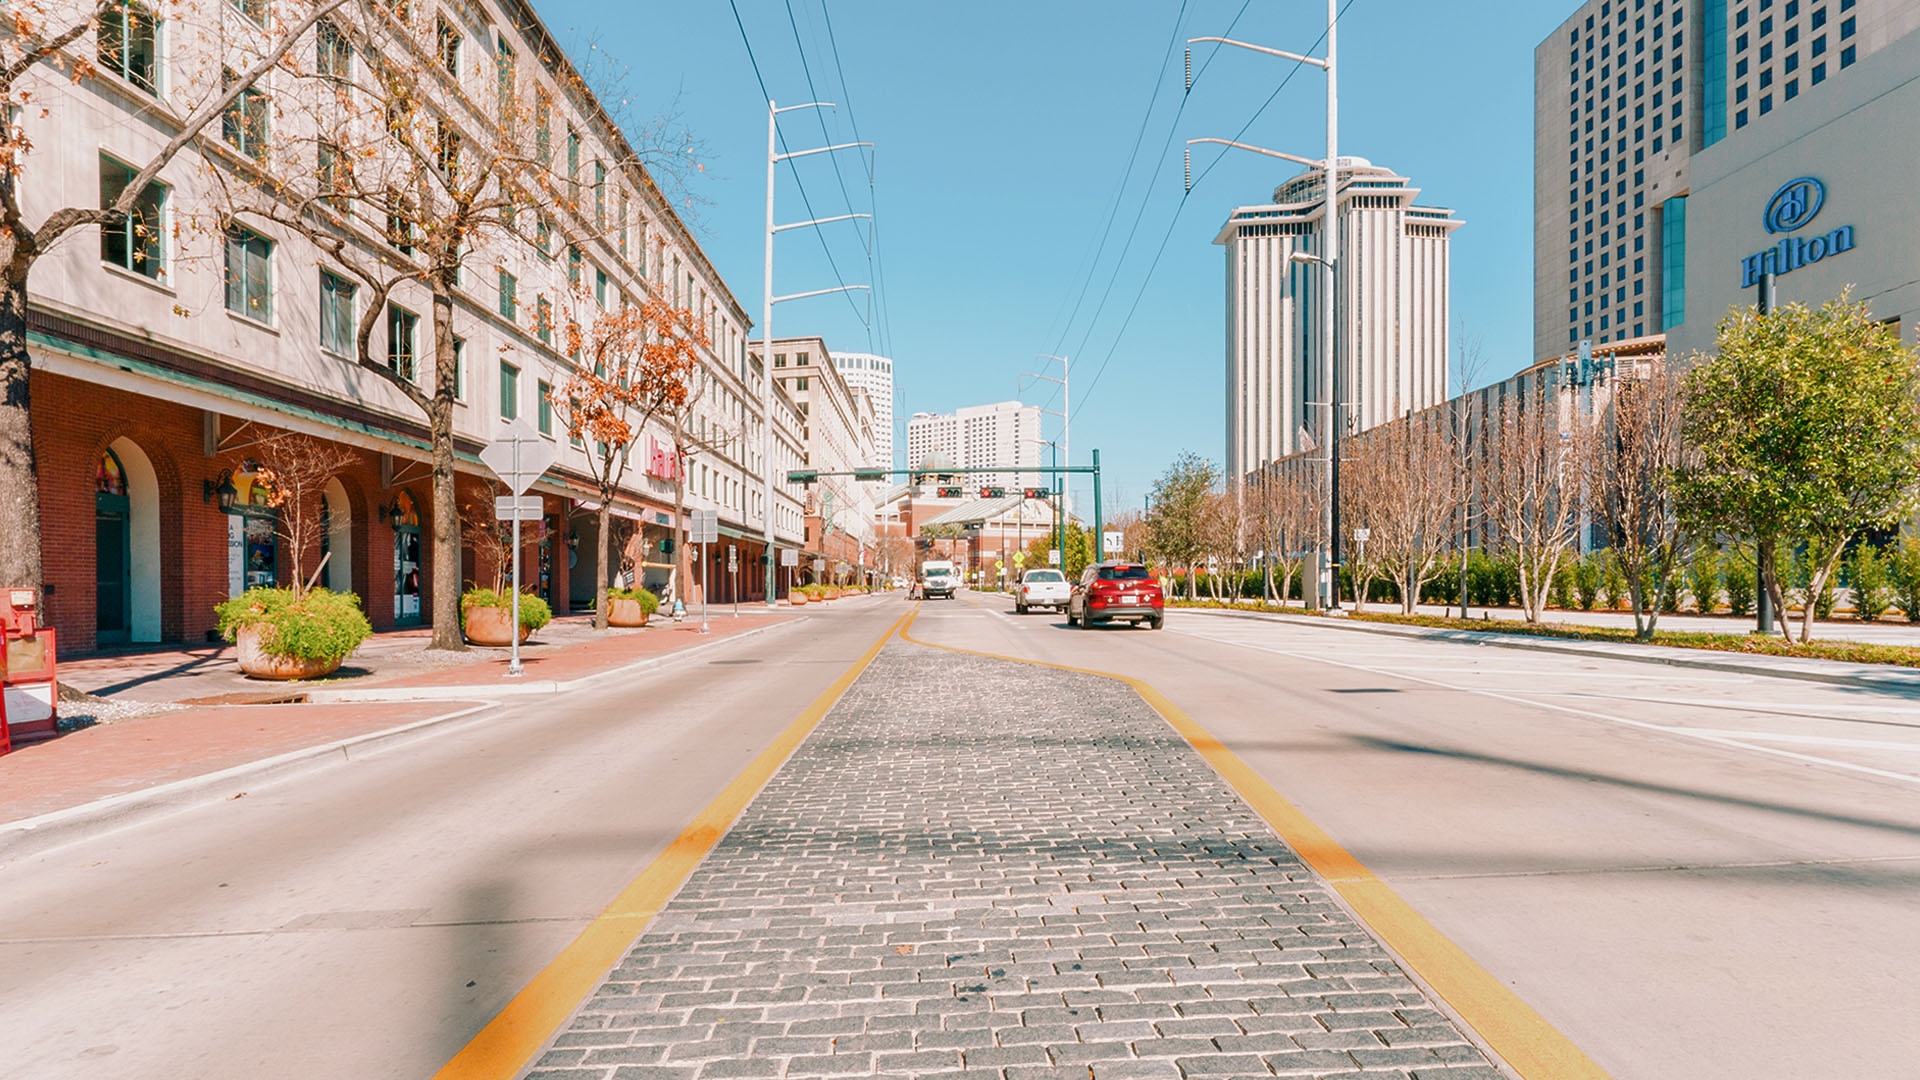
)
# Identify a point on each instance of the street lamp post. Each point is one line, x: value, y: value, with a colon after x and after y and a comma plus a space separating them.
x: 1330, y: 515
x: 774, y: 157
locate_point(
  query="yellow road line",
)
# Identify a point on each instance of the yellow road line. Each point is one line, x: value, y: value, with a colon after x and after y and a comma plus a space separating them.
x: 519, y: 1030
x: 1529, y: 1044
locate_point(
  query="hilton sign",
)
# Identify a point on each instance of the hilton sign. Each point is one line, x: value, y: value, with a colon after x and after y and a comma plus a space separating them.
x: 1792, y: 208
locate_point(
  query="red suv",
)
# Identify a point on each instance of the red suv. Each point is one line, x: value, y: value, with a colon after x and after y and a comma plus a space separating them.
x: 1116, y: 591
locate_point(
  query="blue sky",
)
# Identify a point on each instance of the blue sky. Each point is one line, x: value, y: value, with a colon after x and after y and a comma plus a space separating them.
x: 1003, y: 131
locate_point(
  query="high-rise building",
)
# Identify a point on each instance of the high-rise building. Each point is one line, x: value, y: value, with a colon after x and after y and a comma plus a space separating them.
x: 1392, y: 294
x: 980, y: 436
x: 1668, y: 133
x: 874, y: 374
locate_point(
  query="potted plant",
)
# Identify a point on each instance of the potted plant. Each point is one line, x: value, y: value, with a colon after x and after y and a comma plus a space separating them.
x: 293, y: 634
x: 630, y: 607
x: 485, y: 615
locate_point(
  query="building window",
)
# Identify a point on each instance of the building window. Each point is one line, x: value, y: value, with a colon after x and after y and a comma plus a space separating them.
x: 334, y: 175
x: 1713, y: 89
x: 543, y: 319
x: 449, y: 46
x: 129, y: 40
x: 402, y: 327
x: 244, y: 123
x: 600, y: 194
x: 135, y: 241
x: 249, y: 274
x: 1846, y: 57
x: 509, y: 391
x: 254, y: 10
x: 1673, y: 262
x: 503, y: 74
x: 332, y: 52
x: 509, y: 296
x: 460, y: 369
x: 544, y: 407
x: 338, y: 327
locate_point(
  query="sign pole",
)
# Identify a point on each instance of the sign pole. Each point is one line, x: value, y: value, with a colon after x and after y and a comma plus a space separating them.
x: 513, y: 630
x: 704, y: 604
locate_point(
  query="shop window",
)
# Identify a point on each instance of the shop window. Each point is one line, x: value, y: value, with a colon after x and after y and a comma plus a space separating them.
x: 403, y: 327
x: 249, y: 274
x: 338, y: 326
x: 134, y: 241
x: 129, y: 44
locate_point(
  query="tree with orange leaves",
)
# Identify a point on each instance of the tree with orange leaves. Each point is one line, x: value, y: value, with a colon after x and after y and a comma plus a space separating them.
x: 636, y: 362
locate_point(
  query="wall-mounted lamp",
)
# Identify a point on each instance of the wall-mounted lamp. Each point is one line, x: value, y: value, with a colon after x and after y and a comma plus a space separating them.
x: 220, y: 488
x: 573, y: 540
x: 393, y: 513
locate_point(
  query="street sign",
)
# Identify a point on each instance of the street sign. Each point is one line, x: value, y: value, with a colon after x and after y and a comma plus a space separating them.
x: 1053, y: 556
x: 789, y: 557
x: 525, y: 507
x: 1114, y: 541
x: 733, y: 559
x: 819, y: 566
x: 519, y: 455
x: 704, y: 527
x: 1019, y: 558
x: 1362, y: 535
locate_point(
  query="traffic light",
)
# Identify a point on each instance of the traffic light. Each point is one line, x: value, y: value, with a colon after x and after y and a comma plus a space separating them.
x: 666, y: 546
x: 993, y: 493
x: 1037, y: 493
x: 949, y: 492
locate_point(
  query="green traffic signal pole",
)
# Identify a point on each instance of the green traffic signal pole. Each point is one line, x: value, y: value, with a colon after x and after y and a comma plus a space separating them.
x: 808, y: 476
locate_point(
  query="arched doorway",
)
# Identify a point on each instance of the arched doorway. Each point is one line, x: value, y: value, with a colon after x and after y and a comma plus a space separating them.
x: 406, y: 558
x: 126, y: 546
x: 336, y: 537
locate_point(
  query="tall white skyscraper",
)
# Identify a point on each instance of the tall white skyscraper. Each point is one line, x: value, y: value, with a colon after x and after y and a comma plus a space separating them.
x: 980, y: 436
x: 874, y: 374
x: 1392, y: 282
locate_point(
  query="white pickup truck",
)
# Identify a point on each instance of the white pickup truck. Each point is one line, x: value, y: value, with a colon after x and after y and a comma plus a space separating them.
x: 1041, y: 588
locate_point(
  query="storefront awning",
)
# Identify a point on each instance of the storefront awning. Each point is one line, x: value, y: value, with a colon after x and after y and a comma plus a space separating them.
x: 585, y: 506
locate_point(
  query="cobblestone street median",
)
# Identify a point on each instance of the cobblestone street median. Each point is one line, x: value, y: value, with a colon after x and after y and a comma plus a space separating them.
x: 981, y: 866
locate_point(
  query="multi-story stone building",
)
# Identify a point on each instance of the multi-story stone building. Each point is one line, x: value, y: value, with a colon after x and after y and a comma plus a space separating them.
x: 1673, y: 140
x: 1391, y: 308
x: 838, y: 422
x: 874, y: 375
x: 164, y: 348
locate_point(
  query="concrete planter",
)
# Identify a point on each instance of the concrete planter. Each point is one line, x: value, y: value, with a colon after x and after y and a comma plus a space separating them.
x: 626, y: 612
x: 489, y: 626
x: 258, y: 663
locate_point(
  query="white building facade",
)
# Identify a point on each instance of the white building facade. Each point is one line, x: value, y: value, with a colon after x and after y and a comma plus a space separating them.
x: 874, y: 375
x: 978, y: 437
x: 1662, y: 134
x: 1392, y: 282
x: 838, y: 422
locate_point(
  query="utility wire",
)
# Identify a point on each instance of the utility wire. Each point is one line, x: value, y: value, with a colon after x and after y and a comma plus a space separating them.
x: 1134, y: 307
x: 767, y: 95
x: 882, y: 311
x: 820, y: 115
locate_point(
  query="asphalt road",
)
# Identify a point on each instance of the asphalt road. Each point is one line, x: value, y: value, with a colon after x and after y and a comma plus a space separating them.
x: 1687, y: 873
x: 367, y: 920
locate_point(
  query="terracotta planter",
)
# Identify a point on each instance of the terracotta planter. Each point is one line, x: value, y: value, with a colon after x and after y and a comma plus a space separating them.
x: 625, y: 611
x: 258, y: 663
x: 488, y: 626
x: 797, y: 599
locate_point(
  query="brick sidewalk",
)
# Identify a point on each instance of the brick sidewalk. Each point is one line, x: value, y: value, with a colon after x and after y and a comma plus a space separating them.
x: 1037, y: 877
x: 109, y: 759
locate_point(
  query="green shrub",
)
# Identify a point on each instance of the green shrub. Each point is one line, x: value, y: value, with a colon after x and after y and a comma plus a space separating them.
x: 1587, y: 574
x: 1560, y: 590
x: 1872, y: 584
x: 534, y: 612
x: 649, y: 603
x: 1904, y: 569
x: 1703, y: 579
x: 1742, y: 589
x: 322, y: 625
x: 1671, y: 590
x: 1613, y: 582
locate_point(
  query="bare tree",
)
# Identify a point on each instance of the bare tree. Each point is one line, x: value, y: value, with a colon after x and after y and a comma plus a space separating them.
x: 1533, y: 489
x: 1635, y: 454
x: 1469, y: 359
x: 1223, y: 538
x: 295, y: 469
x: 1411, y: 472
x: 46, y: 64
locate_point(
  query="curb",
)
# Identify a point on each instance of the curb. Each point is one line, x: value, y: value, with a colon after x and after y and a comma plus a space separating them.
x: 524, y: 687
x: 1881, y: 678
x: 30, y: 836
